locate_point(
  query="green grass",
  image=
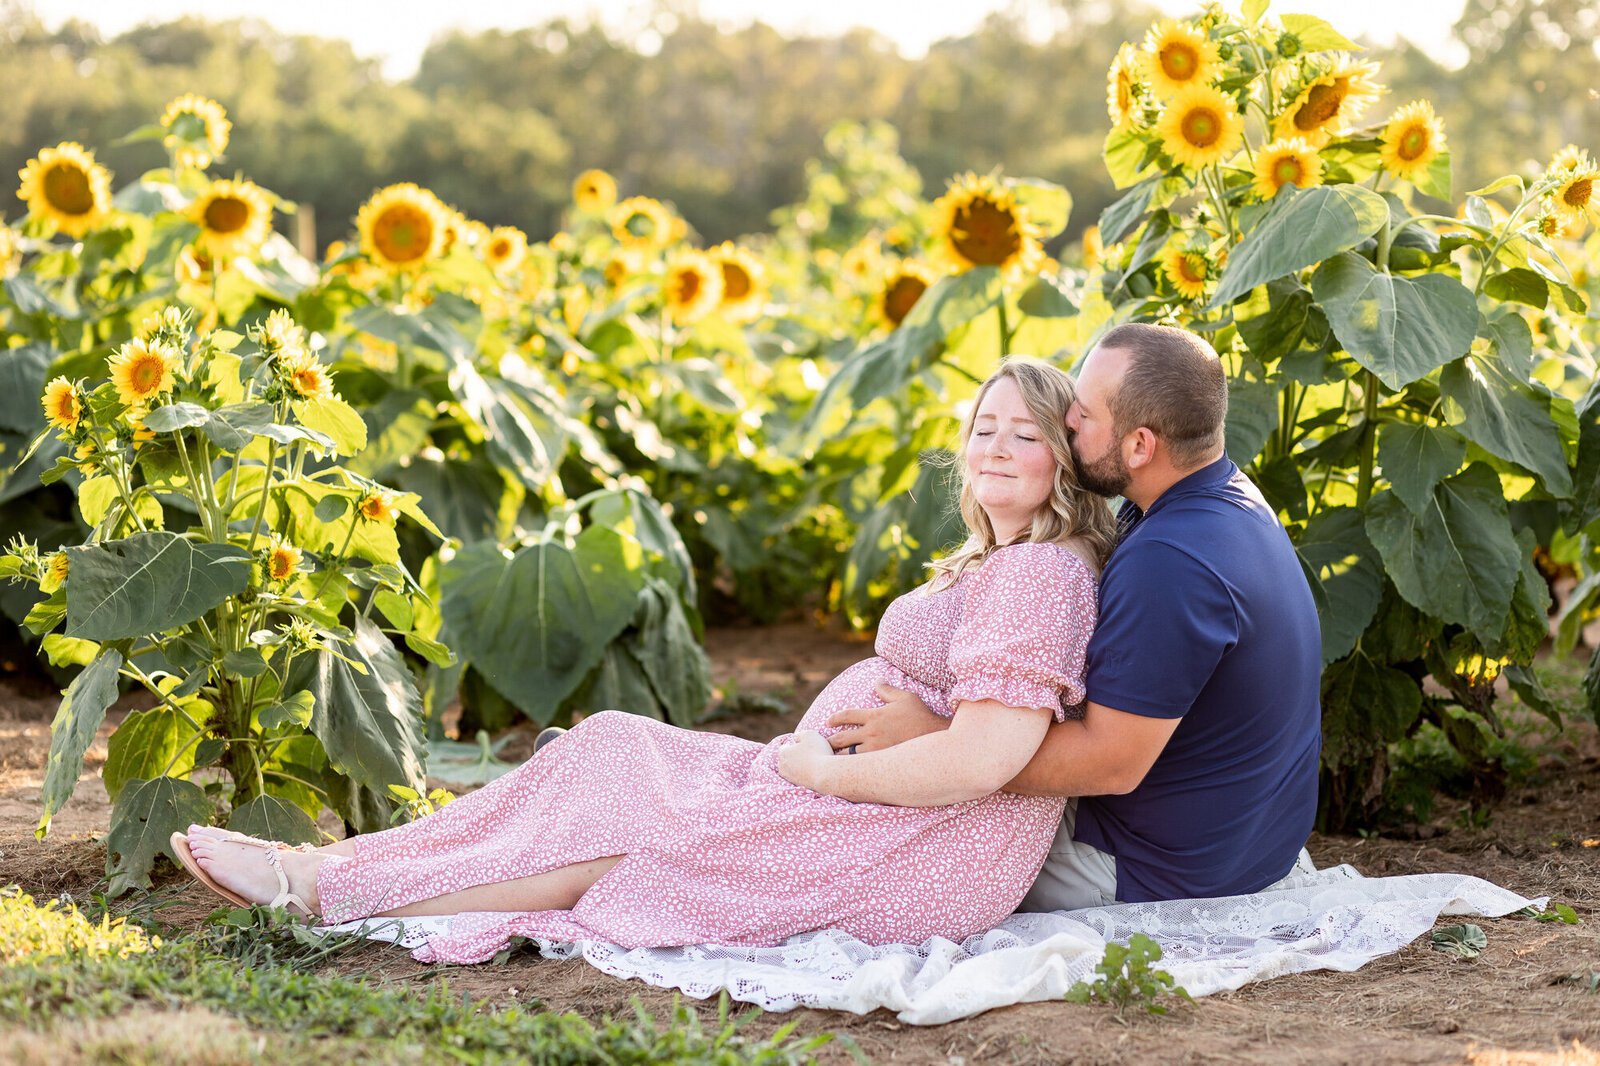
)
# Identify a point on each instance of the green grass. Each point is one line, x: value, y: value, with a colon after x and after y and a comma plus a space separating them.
x: 243, y: 990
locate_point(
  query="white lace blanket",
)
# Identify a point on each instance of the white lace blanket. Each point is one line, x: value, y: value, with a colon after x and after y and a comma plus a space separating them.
x: 1332, y: 919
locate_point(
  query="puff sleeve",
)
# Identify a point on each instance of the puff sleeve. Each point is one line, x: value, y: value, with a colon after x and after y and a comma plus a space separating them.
x: 1024, y: 629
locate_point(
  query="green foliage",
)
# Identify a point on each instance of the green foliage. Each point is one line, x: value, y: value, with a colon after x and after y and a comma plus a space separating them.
x: 1463, y: 941
x: 1127, y: 979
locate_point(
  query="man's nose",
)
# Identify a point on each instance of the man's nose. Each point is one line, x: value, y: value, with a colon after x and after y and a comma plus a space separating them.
x: 1073, y: 417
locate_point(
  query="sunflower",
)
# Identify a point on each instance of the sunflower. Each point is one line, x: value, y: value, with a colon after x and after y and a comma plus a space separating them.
x: 505, y: 249
x: 308, y: 379
x: 744, y: 282
x: 1283, y: 162
x: 169, y: 319
x: 63, y: 406
x: 135, y: 419
x: 283, y: 559
x: 981, y: 223
x: 1411, y: 141
x: 55, y: 573
x: 640, y: 222
x: 693, y: 287
x: 377, y: 505
x: 622, y: 265
x: 234, y: 217
x: 902, y: 288
x: 1574, y: 197
x: 1094, y: 249
x: 141, y: 369
x: 1188, y: 270
x: 279, y: 334
x: 1122, y: 86
x: 199, y: 130
x: 1329, y: 103
x: 67, y: 188
x: 402, y: 226
x: 8, y: 249
x: 1176, y: 55
x: 862, y: 264
x: 1553, y: 227
x: 1569, y: 158
x: 1200, y: 125
x: 594, y: 191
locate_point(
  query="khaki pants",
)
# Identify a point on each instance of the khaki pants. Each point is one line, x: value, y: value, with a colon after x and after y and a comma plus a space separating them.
x: 1074, y: 874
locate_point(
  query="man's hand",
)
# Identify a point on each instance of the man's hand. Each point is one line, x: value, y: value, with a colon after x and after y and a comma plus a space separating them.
x: 804, y: 760
x: 902, y: 717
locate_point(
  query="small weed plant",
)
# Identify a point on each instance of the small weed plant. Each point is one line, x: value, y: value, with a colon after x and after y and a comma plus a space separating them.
x: 1127, y: 978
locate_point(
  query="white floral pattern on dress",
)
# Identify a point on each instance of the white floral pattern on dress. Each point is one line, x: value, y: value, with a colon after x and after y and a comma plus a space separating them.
x: 718, y: 848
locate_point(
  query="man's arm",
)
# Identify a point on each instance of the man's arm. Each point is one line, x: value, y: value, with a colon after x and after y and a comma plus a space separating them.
x: 1106, y: 752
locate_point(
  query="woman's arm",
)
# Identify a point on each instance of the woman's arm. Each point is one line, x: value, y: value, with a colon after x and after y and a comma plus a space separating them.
x: 986, y: 745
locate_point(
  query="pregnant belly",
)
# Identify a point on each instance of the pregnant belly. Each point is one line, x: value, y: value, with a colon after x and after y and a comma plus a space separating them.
x: 855, y: 687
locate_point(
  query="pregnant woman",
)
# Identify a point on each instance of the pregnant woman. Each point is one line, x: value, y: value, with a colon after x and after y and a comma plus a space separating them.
x: 632, y: 831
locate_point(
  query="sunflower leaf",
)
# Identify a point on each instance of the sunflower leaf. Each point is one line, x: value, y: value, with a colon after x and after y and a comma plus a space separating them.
x: 1316, y: 35
x: 1302, y: 228
x: 175, y: 416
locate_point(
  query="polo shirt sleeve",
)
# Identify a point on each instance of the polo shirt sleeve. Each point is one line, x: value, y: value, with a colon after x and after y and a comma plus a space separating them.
x: 1165, y: 622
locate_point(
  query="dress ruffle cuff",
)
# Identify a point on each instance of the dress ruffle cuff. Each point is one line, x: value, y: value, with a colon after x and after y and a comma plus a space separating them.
x: 1016, y: 692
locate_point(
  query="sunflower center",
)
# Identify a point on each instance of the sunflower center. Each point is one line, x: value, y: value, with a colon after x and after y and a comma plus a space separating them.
x: 1579, y: 193
x: 1124, y: 92
x: 1179, y: 61
x: 686, y: 287
x: 227, y: 214
x: 1413, y: 143
x: 735, y: 282
x: 1321, y: 106
x: 1289, y: 168
x: 901, y: 296
x: 403, y: 233
x: 500, y: 249
x: 1202, y: 127
x: 985, y: 233
x: 66, y: 186
x: 145, y: 373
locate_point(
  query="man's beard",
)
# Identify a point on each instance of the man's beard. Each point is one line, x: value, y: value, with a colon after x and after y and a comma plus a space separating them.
x: 1107, y: 476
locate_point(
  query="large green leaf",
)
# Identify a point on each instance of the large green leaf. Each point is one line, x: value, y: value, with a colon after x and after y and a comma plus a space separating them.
x: 1300, y: 229
x: 83, y: 708
x: 1457, y: 559
x: 1115, y: 219
x: 1348, y: 577
x: 1513, y: 342
x: 271, y: 818
x: 1291, y: 323
x: 1506, y: 417
x: 535, y: 624
x: 1366, y: 706
x: 520, y: 435
x: 148, y: 583
x: 1398, y: 328
x: 397, y: 427
x: 369, y: 723
x: 22, y: 380
x: 1591, y: 687
x: 666, y: 650
x: 1252, y: 414
x: 152, y: 743
x: 1049, y: 205
x: 637, y: 514
x: 1585, y: 505
x: 1415, y: 458
x: 142, y: 823
x: 472, y: 499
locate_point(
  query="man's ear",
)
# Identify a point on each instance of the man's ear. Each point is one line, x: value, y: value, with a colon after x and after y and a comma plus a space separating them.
x: 1139, y: 448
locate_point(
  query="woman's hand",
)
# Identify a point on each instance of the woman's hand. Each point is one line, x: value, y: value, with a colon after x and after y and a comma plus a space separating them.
x: 804, y: 760
x: 902, y: 717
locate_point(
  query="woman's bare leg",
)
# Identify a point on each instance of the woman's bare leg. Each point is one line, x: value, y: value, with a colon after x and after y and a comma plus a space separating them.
x: 244, y: 869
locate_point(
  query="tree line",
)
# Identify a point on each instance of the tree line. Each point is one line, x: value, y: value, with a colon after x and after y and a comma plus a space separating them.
x: 720, y: 122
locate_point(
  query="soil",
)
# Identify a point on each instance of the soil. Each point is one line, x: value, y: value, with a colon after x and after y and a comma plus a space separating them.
x: 1526, y: 999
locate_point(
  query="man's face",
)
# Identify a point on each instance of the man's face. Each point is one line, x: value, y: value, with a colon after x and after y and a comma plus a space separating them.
x: 1095, y: 446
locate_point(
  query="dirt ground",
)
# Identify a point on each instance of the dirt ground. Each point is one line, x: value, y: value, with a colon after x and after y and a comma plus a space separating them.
x: 1517, y: 1002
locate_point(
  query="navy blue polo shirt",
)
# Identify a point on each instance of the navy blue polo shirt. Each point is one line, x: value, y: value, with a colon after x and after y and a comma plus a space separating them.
x: 1205, y: 615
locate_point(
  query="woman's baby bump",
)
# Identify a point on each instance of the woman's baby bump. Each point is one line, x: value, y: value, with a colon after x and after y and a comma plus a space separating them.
x: 856, y: 687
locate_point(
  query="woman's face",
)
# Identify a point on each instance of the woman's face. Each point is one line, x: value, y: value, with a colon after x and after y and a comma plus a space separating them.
x: 1009, y: 464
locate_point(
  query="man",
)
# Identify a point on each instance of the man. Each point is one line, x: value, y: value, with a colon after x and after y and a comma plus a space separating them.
x: 1195, y: 763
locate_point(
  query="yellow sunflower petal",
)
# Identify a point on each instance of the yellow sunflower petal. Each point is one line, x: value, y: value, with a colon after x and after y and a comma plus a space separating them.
x: 980, y: 222
x: 1280, y: 163
x: 1177, y: 55
x: 693, y: 287
x: 65, y: 187
x: 142, y: 369
x: 1200, y: 125
x: 1188, y: 270
x: 594, y: 191
x: 1411, y: 141
x: 640, y: 222
x: 63, y: 406
x: 505, y: 249
x: 402, y: 227
x: 195, y: 121
x: 377, y: 506
x: 1329, y: 103
x: 235, y: 218
x: 1122, y: 87
x: 1573, y: 198
x: 744, y: 283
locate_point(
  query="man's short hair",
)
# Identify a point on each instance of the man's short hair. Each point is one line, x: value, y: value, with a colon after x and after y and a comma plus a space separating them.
x: 1174, y: 386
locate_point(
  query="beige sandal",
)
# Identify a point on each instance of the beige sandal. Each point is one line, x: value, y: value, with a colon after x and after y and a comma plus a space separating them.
x: 284, y: 898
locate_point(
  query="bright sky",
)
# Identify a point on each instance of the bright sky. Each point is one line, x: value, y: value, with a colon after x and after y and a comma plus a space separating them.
x: 399, y: 30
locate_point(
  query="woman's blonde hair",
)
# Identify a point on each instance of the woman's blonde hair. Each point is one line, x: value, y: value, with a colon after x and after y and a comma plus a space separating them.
x: 1071, y: 512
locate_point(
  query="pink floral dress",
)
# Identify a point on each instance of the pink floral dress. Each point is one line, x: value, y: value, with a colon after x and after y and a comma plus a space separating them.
x: 721, y: 849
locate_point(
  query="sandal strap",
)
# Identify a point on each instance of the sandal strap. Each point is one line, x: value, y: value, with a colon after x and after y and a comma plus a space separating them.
x: 284, y: 898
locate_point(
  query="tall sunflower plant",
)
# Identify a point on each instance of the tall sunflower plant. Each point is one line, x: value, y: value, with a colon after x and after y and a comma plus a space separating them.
x: 977, y: 284
x: 1408, y: 385
x: 234, y: 570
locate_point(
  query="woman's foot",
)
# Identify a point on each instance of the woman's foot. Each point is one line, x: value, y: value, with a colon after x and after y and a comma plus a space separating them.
x: 257, y: 870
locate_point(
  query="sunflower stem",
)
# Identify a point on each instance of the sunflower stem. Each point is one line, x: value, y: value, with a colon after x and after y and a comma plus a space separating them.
x: 1005, y: 332
x: 1369, y: 437
x: 339, y: 559
x: 1500, y: 241
x: 266, y: 487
